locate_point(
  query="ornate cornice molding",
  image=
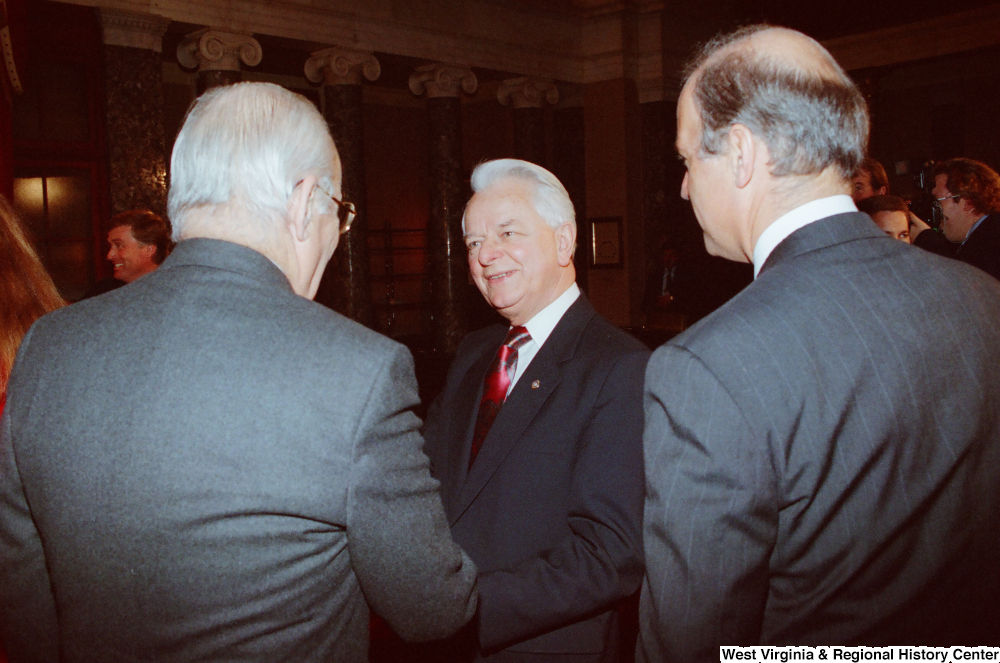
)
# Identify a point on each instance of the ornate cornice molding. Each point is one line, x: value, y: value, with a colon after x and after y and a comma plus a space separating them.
x: 122, y: 28
x: 214, y: 49
x: 528, y: 92
x: 944, y: 35
x: 443, y: 80
x: 340, y: 66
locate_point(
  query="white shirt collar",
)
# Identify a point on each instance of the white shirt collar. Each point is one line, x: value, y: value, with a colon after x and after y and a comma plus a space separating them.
x: 541, y: 326
x: 799, y: 217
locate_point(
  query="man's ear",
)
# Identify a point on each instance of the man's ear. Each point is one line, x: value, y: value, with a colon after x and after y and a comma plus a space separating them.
x: 148, y: 250
x: 967, y: 206
x: 565, y: 243
x: 742, y: 154
x: 298, y: 208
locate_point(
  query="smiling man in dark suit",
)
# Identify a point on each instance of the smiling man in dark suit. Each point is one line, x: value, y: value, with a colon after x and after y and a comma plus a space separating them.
x: 537, y: 436
x: 822, y: 457
x: 208, y: 466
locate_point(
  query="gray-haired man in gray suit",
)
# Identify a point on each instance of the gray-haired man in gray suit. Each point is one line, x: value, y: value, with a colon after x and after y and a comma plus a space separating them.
x: 205, y: 465
x: 822, y: 459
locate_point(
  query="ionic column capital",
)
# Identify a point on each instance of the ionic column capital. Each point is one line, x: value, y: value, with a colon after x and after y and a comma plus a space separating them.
x: 527, y: 92
x: 214, y: 49
x: 443, y: 80
x: 340, y: 66
x: 120, y: 28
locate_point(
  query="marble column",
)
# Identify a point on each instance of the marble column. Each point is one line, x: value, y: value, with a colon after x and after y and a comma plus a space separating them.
x: 527, y: 96
x: 443, y: 84
x: 133, y: 87
x: 569, y: 165
x: 346, y: 285
x: 217, y: 55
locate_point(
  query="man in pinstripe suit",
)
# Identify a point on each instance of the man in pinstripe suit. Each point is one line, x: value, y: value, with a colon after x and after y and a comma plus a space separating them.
x: 822, y: 460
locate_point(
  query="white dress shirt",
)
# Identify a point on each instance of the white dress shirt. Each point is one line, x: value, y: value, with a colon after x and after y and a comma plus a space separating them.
x: 799, y: 217
x: 540, y: 327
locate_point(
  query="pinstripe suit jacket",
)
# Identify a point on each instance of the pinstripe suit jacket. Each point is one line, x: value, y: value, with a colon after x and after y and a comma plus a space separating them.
x: 823, y: 455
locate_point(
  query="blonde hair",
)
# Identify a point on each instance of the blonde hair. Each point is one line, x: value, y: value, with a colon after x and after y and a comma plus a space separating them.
x: 26, y: 289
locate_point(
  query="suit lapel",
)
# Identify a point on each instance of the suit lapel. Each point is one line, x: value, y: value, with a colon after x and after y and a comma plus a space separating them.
x: 466, y: 408
x: 523, y: 404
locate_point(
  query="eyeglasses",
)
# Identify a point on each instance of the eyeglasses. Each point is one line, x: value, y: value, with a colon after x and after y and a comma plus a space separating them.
x: 346, y: 212
x: 938, y: 200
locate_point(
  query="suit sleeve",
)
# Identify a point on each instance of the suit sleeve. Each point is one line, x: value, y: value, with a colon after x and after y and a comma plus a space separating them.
x: 711, y: 515
x: 29, y: 627
x: 601, y: 561
x: 410, y: 570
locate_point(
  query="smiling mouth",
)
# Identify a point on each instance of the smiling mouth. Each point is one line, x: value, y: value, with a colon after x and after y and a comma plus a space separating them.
x: 497, y: 277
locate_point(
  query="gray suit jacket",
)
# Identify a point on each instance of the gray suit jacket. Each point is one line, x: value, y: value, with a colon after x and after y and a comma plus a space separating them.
x: 823, y: 455
x: 551, y: 511
x: 204, y: 466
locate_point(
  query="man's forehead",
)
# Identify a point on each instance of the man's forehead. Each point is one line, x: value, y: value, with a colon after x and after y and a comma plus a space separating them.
x: 688, y: 119
x: 504, y: 203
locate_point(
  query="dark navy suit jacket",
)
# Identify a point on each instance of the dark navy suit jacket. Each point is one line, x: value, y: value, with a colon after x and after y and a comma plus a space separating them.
x: 981, y: 249
x: 551, y: 510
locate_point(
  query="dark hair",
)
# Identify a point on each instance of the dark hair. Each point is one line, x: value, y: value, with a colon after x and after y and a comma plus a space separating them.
x: 147, y: 228
x: 974, y: 181
x: 808, y: 120
x: 876, y: 173
x: 875, y: 204
x: 26, y: 289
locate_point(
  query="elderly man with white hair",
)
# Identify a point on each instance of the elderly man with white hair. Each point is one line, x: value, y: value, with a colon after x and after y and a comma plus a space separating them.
x: 208, y: 466
x: 536, y: 437
x: 822, y: 457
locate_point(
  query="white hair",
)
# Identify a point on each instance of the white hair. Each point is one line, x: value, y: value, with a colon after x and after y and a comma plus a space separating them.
x: 550, y: 199
x: 247, y: 146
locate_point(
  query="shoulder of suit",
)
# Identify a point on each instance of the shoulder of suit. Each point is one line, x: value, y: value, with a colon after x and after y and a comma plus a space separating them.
x: 602, y: 336
x: 474, y: 341
x: 340, y: 328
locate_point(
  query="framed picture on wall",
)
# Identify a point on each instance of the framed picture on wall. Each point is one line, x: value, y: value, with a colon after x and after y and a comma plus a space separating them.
x: 606, y: 242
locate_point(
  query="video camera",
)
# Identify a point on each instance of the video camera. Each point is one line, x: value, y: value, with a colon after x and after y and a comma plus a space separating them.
x: 924, y: 204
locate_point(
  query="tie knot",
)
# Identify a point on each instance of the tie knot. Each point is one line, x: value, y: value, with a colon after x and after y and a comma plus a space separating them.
x: 517, y: 337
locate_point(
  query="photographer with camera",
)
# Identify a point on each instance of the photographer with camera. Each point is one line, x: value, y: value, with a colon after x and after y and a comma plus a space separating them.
x: 967, y: 194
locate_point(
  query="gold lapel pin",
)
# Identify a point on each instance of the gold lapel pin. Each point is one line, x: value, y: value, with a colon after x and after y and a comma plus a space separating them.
x: 536, y: 384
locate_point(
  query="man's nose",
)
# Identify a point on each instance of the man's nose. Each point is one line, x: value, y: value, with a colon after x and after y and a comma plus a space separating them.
x: 488, y: 252
x: 684, y: 188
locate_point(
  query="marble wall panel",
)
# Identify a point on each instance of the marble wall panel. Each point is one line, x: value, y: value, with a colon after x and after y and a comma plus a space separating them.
x: 448, y: 269
x: 136, y: 156
x: 346, y: 286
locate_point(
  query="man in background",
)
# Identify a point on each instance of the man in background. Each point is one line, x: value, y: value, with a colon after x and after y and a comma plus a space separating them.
x: 207, y: 465
x: 968, y: 193
x: 870, y: 180
x: 140, y: 242
x: 822, y: 457
x: 890, y: 213
x: 537, y: 436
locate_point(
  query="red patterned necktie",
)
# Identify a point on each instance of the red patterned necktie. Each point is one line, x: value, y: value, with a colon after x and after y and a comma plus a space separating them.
x: 495, y: 386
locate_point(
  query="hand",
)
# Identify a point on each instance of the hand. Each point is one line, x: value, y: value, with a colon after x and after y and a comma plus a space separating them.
x: 917, y: 226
